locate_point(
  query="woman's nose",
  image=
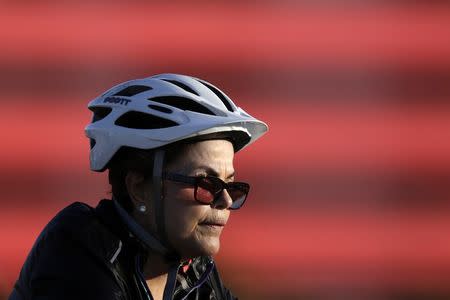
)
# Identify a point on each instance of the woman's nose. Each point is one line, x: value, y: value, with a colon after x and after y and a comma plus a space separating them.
x: 223, y: 200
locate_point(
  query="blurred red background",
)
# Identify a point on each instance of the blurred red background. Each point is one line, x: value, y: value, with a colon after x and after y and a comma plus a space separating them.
x: 350, y: 187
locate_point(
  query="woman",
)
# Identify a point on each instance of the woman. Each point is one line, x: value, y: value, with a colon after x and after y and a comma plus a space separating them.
x: 168, y: 142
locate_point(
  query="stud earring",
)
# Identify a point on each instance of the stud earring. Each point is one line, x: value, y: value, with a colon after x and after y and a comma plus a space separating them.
x: 142, y: 208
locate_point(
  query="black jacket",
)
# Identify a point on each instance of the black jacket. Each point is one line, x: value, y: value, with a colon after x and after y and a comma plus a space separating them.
x: 87, y: 253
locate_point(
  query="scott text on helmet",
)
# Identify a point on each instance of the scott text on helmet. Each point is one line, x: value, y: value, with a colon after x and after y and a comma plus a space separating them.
x: 117, y: 100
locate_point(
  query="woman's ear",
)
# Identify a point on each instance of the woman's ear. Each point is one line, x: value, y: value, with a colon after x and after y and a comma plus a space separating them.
x: 138, y: 188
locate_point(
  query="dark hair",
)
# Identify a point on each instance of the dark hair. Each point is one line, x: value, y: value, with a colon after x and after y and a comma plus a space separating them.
x: 125, y: 160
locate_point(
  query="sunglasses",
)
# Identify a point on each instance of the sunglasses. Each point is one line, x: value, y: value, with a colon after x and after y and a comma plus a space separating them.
x: 207, y: 189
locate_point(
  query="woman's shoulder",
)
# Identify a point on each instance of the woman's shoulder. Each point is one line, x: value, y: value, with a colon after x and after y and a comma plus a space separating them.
x: 69, y: 223
x: 74, y: 247
x: 81, y: 225
x: 69, y: 217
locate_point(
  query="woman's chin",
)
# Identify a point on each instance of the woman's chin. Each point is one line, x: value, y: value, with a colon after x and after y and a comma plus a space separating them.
x: 204, y: 247
x: 211, y: 249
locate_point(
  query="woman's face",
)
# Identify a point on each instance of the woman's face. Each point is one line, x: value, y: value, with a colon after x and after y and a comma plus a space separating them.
x: 193, y: 228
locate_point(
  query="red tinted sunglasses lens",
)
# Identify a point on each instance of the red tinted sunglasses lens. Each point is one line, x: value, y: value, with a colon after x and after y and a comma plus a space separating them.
x: 206, y: 190
x: 203, y: 195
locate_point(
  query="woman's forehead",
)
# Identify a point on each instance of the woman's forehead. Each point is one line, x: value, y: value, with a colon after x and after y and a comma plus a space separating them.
x: 211, y: 156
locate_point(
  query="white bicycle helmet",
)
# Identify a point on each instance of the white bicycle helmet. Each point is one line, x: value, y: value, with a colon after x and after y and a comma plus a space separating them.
x: 162, y: 109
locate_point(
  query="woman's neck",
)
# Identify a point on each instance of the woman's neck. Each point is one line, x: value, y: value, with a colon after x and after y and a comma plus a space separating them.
x: 155, y: 272
x: 157, y: 285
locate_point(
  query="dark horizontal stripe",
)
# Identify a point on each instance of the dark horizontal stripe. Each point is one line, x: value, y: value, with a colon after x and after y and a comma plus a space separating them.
x: 313, y: 82
x: 310, y: 190
x: 360, y: 190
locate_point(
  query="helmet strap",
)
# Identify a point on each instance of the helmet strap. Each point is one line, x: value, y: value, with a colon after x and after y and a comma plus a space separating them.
x: 145, y: 237
x: 158, y: 202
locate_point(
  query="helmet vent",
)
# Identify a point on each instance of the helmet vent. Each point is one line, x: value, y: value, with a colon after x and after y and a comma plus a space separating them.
x: 140, y: 120
x: 220, y: 95
x: 182, y: 85
x: 91, y: 143
x: 183, y: 103
x: 100, y: 113
x: 133, y: 90
x: 161, y: 108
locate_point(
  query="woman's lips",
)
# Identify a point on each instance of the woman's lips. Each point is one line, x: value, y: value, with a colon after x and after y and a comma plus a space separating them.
x: 212, y: 226
x: 215, y: 226
x: 214, y: 223
x: 211, y: 229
